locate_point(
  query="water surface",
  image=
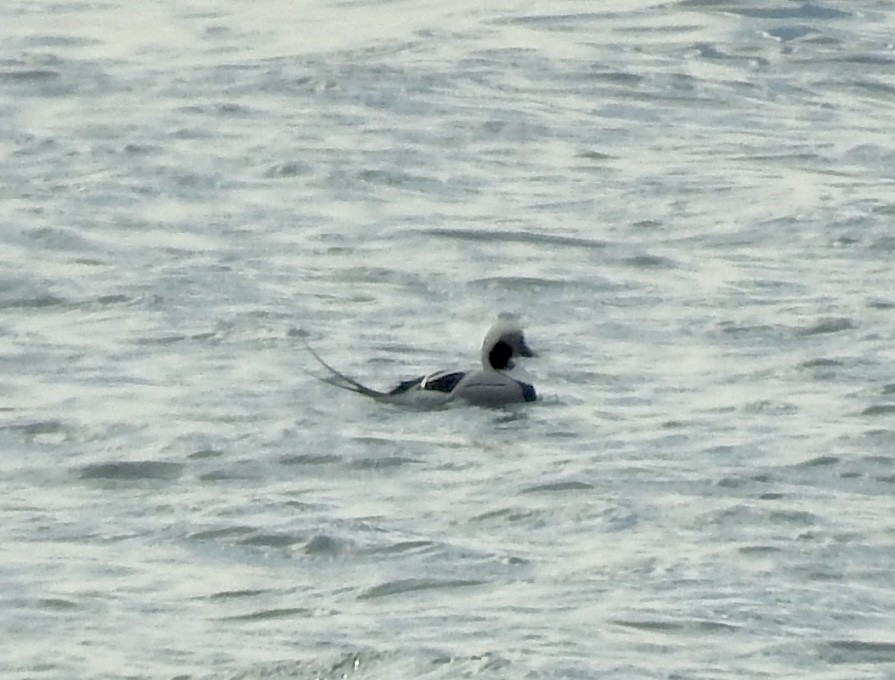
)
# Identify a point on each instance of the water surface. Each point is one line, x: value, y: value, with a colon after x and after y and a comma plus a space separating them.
x: 690, y: 202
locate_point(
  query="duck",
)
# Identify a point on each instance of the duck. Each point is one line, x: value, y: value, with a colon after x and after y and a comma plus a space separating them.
x: 499, y: 381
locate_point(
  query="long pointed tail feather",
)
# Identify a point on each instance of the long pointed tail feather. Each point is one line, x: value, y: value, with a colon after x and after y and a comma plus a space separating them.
x: 339, y: 379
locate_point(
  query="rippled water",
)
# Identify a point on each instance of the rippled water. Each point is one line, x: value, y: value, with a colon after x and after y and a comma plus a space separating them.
x: 692, y: 204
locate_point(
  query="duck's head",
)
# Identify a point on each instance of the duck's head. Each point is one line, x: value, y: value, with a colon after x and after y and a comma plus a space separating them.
x: 504, y: 342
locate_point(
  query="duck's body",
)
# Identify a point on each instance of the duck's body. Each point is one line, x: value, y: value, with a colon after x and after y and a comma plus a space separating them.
x: 495, y: 384
x: 480, y: 387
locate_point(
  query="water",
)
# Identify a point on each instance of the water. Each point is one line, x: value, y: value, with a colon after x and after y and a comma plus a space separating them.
x: 690, y: 202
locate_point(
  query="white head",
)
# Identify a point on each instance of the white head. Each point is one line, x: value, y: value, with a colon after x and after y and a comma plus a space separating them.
x: 504, y: 342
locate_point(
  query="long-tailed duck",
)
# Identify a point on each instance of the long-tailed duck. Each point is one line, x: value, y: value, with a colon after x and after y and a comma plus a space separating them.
x: 496, y: 383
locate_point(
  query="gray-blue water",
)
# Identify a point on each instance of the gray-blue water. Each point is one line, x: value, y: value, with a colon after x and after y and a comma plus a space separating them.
x: 693, y: 206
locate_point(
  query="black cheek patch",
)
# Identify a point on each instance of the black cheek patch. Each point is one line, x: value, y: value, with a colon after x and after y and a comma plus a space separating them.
x: 499, y: 356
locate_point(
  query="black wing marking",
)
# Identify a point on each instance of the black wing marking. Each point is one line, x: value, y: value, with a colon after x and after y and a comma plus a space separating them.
x: 406, y: 386
x: 442, y: 382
